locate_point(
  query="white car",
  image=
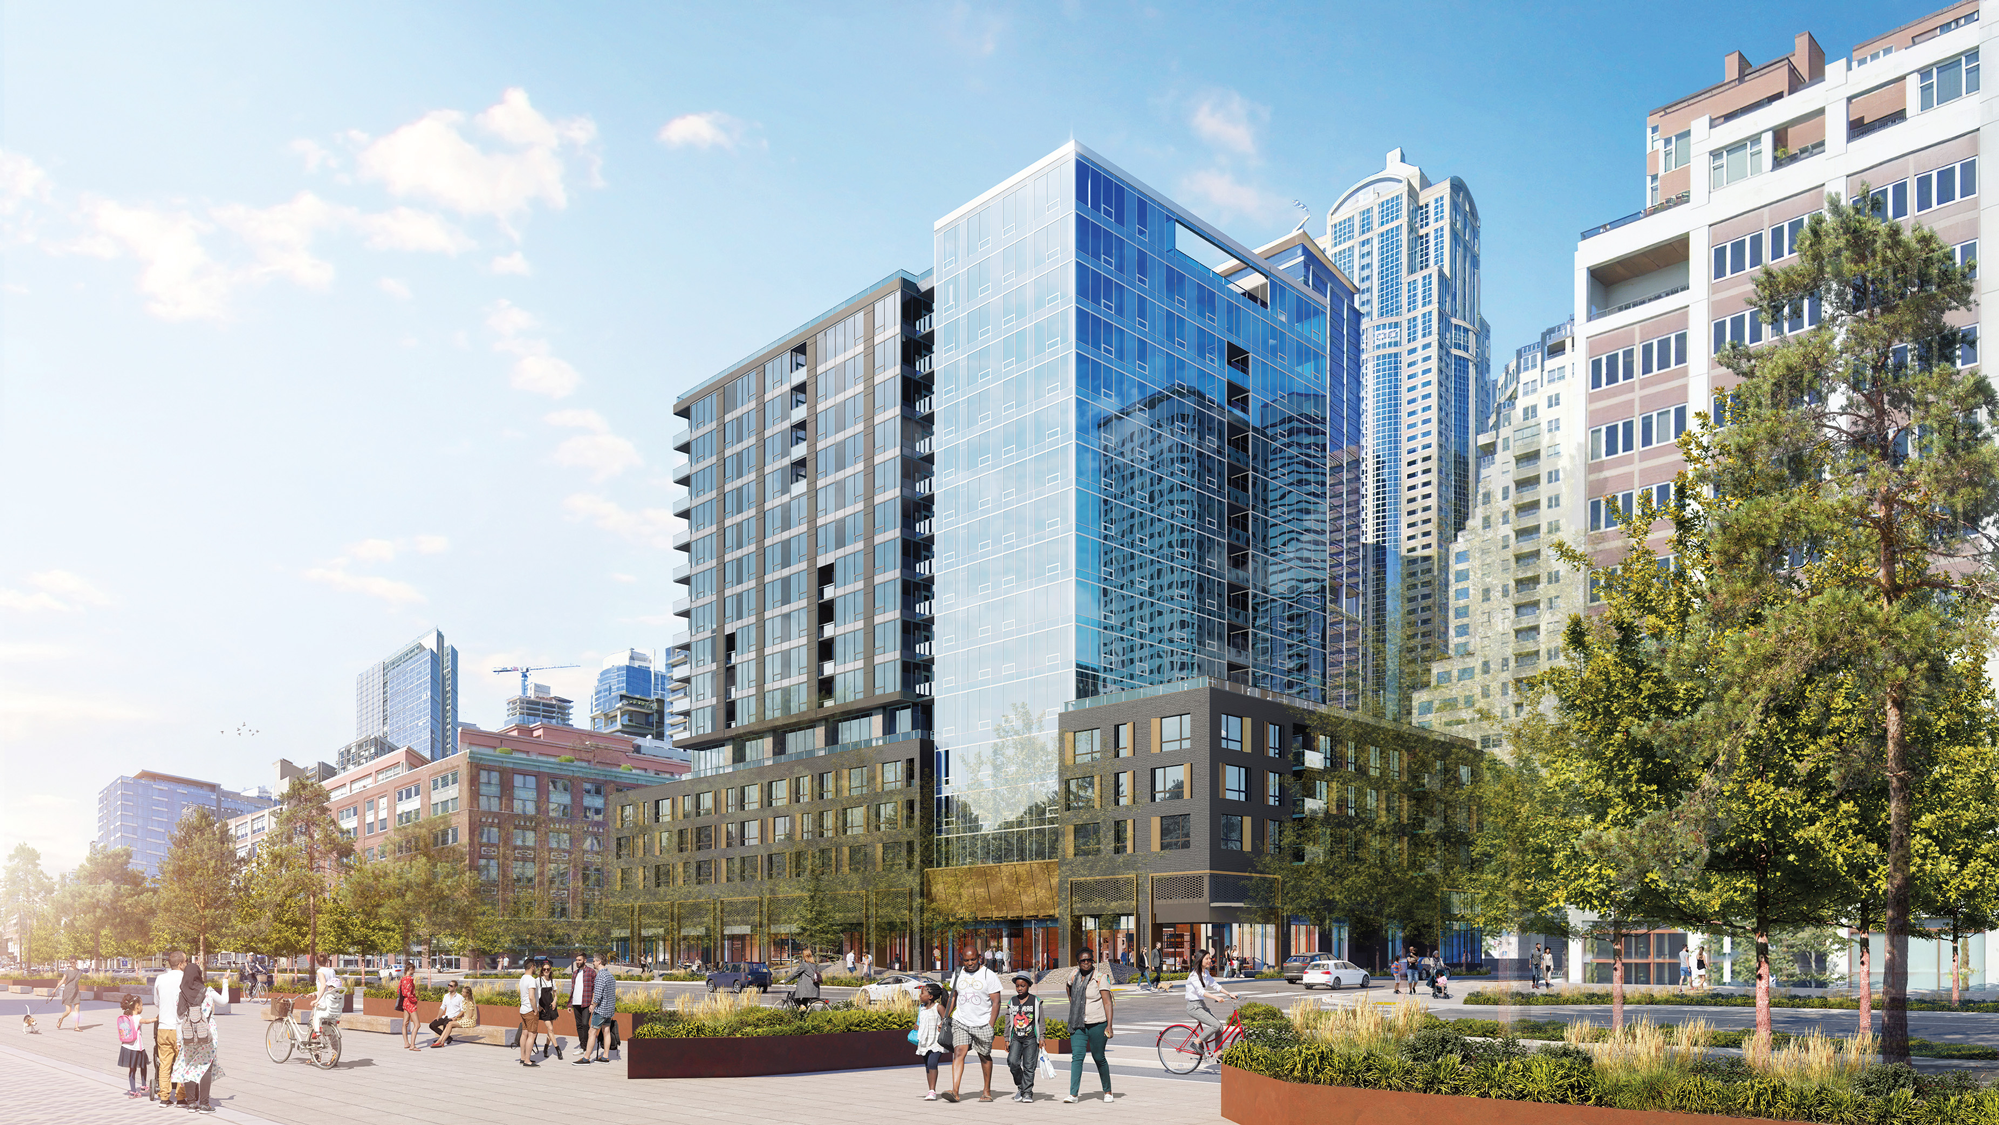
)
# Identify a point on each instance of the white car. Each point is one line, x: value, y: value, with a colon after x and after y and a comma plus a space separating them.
x: 1334, y: 975
x: 881, y: 988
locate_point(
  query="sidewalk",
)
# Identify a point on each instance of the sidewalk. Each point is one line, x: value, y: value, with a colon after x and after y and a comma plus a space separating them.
x: 71, y: 1077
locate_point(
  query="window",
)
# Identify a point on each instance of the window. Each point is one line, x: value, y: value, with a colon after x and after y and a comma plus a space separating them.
x: 444, y: 781
x: 1273, y: 788
x: 1745, y: 253
x: 1798, y: 316
x: 1169, y: 783
x: 524, y: 794
x: 1611, y: 440
x: 1121, y: 733
x: 1966, y: 255
x: 1273, y: 740
x: 1232, y: 732
x: 854, y: 820
x: 1235, y: 783
x: 1744, y: 328
x: 1089, y: 745
x: 746, y: 798
x: 1120, y: 837
x: 490, y: 834
x: 558, y: 797
x: 1947, y: 184
x: 489, y: 790
x: 1610, y: 370
x: 1605, y: 511
x: 1662, y: 426
x: 593, y: 800
x: 857, y: 780
x: 1677, y: 151
x: 444, y: 837
x: 1176, y: 732
x: 489, y: 871
x: 559, y: 841
x: 441, y: 808
x: 1080, y: 793
x: 1949, y: 81
x: 1175, y: 833
x: 1736, y: 162
x: 1891, y: 202
x: 524, y: 874
x: 1120, y: 789
x: 780, y: 829
x: 776, y: 792
x: 1231, y: 835
x: 888, y: 816
x: 1784, y: 237
x: 1662, y: 354
x: 1089, y: 839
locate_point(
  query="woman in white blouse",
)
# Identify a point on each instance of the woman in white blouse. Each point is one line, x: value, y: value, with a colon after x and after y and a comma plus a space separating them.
x: 1201, y: 988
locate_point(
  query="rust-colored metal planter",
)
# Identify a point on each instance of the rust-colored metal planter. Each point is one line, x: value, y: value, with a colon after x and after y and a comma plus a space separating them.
x: 752, y: 1056
x: 1252, y: 1099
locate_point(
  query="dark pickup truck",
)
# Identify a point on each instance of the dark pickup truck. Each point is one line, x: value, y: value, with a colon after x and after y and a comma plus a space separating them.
x: 738, y: 975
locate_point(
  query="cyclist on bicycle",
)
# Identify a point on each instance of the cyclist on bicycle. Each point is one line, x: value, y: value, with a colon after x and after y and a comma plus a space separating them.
x: 806, y: 973
x: 1201, y: 988
x: 326, y: 1001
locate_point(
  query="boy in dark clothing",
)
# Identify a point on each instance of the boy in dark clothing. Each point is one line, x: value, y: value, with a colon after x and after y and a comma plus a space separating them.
x: 1023, y: 1036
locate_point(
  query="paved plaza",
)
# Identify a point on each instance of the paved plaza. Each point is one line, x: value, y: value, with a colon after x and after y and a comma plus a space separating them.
x: 66, y: 1077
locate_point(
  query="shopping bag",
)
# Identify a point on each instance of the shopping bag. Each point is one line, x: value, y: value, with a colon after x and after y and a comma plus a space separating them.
x: 1047, y: 1066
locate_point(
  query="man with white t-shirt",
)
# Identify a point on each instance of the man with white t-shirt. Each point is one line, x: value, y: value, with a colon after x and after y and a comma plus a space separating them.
x: 977, y: 992
x: 166, y: 1025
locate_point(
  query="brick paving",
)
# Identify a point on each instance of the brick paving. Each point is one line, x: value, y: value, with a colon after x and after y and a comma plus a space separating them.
x: 72, y: 1078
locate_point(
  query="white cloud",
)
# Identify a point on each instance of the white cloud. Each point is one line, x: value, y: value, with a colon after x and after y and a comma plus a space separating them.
x: 514, y: 263
x: 313, y: 155
x: 708, y: 130
x: 23, y: 184
x: 178, y: 277
x: 59, y: 590
x: 431, y: 544
x: 398, y: 289
x: 614, y: 578
x: 281, y: 239
x: 373, y: 550
x: 536, y: 370
x: 387, y: 589
x: 649, y: 527
x: 1229, y: 196
x: 406, y: 228
x: 431, y: 158
x: 1228, y: 121
x: 600, y: 451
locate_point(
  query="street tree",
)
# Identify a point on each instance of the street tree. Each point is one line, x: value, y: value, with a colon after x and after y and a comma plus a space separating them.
x: 104, y: 902
x: 319, y: 850
x: 196, y: 896
x: 1851, y: 479
x: 24, y: 894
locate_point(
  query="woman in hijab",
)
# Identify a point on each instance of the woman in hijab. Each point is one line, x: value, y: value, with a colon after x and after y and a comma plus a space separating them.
x: 195, y: 1065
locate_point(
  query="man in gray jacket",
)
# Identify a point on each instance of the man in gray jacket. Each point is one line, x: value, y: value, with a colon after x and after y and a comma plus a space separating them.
x: 603, y: 1011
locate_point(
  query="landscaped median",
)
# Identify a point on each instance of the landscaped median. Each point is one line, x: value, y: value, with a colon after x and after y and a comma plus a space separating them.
x: 1578, y: 994
x: 1403, y: 1066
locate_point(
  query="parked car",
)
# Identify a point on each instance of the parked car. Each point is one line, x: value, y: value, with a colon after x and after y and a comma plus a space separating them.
x: 1295, y: 965
x: 882, y: 988
x: 1334, y: 974
x: 738, y: 975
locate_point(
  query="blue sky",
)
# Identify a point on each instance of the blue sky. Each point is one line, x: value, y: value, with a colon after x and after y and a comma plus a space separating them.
x: 325, y: 325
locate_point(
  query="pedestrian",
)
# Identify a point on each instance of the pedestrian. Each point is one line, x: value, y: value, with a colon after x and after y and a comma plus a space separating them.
x: 1157, y: 965
x: 1023, y: 1036
x: 546, y: 1010
x: 930, y: 1023
x: 449, y: 1011
x: 603, y: 1011
x: 1534, y: 968
x: 68, y: 994
x: 975, y: 997
x: 195, y: 1066
x: 530, y: 993
x: 850, y: 962
x: 937, y: 959
x: 1142, y: 982
x: 131, y: 1016
x: 868, y: 965
x: 1088, y: 987
x: 1398, y: 969
x: 1700, y: 968
x: 1548, y: 966
x: 582, y: 985
x: 1686, y: 968
x: 166, y: 1026
x: 406, y: 1004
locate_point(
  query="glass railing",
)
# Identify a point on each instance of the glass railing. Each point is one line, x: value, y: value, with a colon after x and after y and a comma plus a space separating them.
x: 1662, y: 205
x: 1875, y: 126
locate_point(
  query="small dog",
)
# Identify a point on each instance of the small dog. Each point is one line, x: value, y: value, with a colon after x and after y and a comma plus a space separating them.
x: 28, y: 1025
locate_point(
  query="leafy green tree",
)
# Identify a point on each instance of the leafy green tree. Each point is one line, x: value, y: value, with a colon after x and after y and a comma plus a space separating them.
x: 1852, y: 483
x: 817, y: 925
x: 24, y: 894
x: 104, y: 902
x: 196, y: 899
x: 270, y: 904
x: 305, y: 827
x: 1956, y: 857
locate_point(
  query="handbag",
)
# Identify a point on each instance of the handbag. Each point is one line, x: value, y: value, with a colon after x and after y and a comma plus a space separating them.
x: 912, y: 1037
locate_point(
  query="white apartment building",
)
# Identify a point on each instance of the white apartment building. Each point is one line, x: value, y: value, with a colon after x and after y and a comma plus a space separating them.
x: 1509, y: 593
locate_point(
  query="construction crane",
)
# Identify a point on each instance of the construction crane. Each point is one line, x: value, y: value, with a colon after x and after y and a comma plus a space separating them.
x: 538, y: 668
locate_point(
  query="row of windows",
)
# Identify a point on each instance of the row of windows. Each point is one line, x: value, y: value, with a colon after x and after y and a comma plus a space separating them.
x: 1662, y: 353
x: 1660, y: 427
x: 1605, y: 511
x: 823, y: 786
x: 856, y: 859
x: 854, y: 820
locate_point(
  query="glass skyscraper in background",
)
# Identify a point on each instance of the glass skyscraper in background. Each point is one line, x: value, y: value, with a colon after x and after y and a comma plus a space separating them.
x: 630, y: 696
x: 410, y: 699
x: 1136, y: 419
x: 1412, y: 248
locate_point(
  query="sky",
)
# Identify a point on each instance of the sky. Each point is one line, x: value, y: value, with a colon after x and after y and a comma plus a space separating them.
x: 325, y: 325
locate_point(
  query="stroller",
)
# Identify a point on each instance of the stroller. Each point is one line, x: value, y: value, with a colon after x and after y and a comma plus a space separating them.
x: 1440, y: 983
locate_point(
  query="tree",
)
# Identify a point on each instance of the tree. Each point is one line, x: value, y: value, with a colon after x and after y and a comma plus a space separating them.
x: 24, y: 892
x: 270, y: 903
x: 197, y: 889
x: 817, y: 926
x: 1957, y: 848
x: 1853, y: 479
x: 305, y: 827
x: 103, y: 901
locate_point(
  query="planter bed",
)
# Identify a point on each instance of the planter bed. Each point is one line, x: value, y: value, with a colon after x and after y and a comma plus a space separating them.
x: 1253, y: 1099
x: 755, y: 1055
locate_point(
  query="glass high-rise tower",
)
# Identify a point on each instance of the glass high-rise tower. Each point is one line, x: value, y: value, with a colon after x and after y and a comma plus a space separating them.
x: 1412, y: 248
x: 410, y: 699
x: 1136, y: 419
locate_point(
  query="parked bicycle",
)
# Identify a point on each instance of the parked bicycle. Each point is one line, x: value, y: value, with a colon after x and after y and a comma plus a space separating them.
x: 1182, y: 1047
x: 285, y: 1035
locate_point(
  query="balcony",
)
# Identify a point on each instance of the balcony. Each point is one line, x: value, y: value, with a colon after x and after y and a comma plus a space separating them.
x: 1640, y: 277
x: 925, y: 323
x: 1805, y: 152
x: 1893, y: 119
x: 1662, y: 205
x: 1598, y: 314
x: 925, y: 405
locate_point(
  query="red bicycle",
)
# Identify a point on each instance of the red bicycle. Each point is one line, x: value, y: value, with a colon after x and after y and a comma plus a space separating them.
x: 1183, y: 1046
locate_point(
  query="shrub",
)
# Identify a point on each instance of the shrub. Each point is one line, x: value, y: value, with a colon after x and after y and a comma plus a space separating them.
x: 1640, y: 994
x: 1256, y: 1011
x: 1055, y: 1029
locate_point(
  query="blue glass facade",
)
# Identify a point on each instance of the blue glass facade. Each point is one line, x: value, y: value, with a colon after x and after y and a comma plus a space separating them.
x: 140, y: 812
x: 411, y: 699
x: 1137, y: 422
x: 640, y: 680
